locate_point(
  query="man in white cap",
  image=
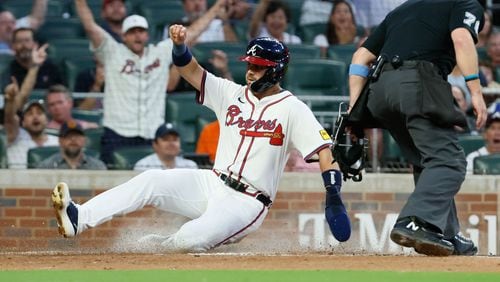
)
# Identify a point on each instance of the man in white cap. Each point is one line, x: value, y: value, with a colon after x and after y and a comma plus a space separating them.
x: 136, y: 80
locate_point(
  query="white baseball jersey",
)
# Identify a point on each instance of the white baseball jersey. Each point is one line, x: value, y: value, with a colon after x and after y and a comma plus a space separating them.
x: 17, y: 151
x: 256, y: 136
x: 135, y: 90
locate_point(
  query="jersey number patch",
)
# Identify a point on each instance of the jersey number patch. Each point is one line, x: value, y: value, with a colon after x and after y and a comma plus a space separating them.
x: 471, y: 21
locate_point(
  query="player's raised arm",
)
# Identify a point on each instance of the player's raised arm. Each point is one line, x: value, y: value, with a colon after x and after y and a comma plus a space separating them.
x: 93, y: 30
x: 188, y: 67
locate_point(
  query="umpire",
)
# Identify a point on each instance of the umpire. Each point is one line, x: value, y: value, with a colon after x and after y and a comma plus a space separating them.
x: 421, y: 41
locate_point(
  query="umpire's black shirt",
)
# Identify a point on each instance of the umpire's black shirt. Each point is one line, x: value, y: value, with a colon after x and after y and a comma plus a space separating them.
x: 421, y: 30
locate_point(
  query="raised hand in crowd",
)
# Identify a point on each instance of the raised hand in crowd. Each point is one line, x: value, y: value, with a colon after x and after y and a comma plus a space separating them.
x: 39, y: 55
x: 219, y: 62
x: 10, y: 117
x: 12, y: 89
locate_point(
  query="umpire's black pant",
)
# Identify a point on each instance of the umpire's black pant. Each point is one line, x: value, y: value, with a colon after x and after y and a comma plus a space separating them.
x: 439, y: 164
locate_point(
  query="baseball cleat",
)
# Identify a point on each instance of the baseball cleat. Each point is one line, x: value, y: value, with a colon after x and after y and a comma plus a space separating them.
x: 463, y: 246
x: 66, y: 211
x: 413, y: 233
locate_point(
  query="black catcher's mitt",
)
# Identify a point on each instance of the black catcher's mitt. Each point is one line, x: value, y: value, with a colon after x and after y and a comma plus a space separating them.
x: 349, y: 148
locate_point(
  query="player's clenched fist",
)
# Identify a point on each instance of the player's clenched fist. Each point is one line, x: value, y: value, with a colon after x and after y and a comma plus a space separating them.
x: 177, y: 34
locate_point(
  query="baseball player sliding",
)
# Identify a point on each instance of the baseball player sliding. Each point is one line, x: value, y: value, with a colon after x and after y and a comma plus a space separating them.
x: 260, y: 123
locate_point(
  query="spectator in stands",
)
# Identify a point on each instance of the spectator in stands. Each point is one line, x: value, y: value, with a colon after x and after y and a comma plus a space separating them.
x: 24, y: 43
x: 60, y: 106
x: 167, y: 147
x: 136, y: 79
x: 493, y: 49
x: 8, y: 24
x: 208, y: 140
x: 38, y: 56
x: 456, y: 78
x: 113, y: 13
x: 30, y: 134
x: 371, y: 13
x: 72, y: 156
x: 217, y: 64
x: 341, y: 28
x: 215, y: 24
x: 90, y: 80
x: 239, y: 10
x: 315, y: 12
x: 491, y: 137
x: 459, y: 96
x: 485, y: 33
x: 489, y: 74
x: 270, y: 19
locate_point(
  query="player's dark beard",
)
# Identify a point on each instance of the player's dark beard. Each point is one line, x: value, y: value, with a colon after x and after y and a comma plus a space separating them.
x: 72, y: 153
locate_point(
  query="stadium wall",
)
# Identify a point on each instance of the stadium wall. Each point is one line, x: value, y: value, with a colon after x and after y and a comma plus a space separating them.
x: 295, y: 222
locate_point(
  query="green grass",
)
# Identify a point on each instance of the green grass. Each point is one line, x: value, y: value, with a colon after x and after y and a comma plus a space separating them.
x: 241, y: 275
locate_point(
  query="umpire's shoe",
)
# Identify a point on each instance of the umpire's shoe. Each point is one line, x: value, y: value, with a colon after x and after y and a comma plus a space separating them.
x: 463, y: 246
x: 414, y: 233
x: 66, y: 211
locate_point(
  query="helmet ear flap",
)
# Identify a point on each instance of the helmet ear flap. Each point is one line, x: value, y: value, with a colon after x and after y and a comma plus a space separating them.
x: 272, y: 76
x: 263, y: 83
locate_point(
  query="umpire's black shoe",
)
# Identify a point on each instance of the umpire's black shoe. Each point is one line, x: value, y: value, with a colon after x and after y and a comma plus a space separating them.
x: 463, y: 246
x: 414, y: 233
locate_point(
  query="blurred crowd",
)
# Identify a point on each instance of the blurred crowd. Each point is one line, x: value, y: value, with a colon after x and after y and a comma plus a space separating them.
x: 66, y: 102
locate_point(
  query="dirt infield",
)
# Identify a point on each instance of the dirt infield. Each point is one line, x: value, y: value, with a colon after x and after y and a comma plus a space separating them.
x: 33, y: 261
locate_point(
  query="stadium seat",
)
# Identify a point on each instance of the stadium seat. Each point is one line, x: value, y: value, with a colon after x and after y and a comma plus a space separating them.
x: 159, y: 14
x: 3, y: 149
x: 57, y: 28
x: 37, y: 94
x: 181, y: 107
x: 392, y: 152
x: 392, y: 158
x: 184, y: 113
x: 125, y: 158
x: 342, y: 53
x: 304, y: 51
x: 470, y: 143
x: 22, y: 8
x: 70, y: 49
x: 241, y: 30
x: 487, y: 164
x: 203, y: 51
x: 316, y: 77
x: 482, y: 54
x: 86, y: 115
x: 202, y: 160
x: 238, y: 71
x: 5, y: 60
x: 189, y: 135
x: 295, y: 11
x: 360, y: 31
x: 93, y: 136
x: 73, y: 66
x: 309, y: 31
x: 95, y: 7
x: 37, y: 155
